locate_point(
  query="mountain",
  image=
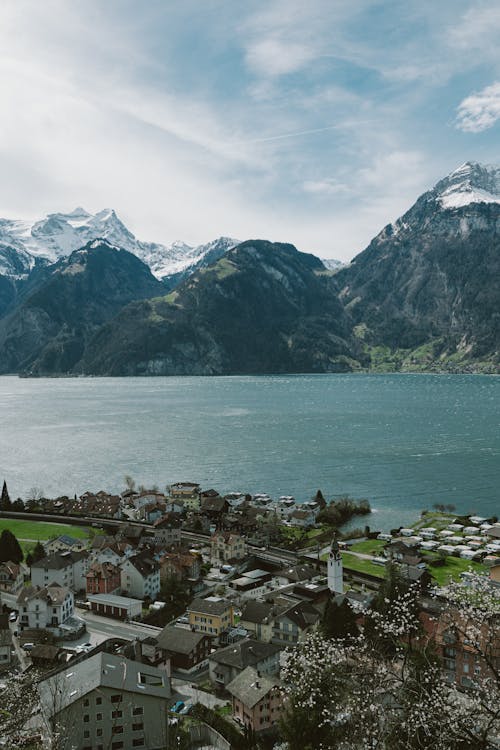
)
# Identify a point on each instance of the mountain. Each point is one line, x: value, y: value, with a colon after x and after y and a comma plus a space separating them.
x: 428, y: 286
x: 46, y: 333
x: 23, y: 244
x: 262, y: 308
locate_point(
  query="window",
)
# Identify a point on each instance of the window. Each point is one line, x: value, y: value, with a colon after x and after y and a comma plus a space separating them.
x: 99, y: 717
x: 137, y: 727
x: 137, y: 711
x: 86, y: 717
x: 98, y: 701
x: 117, y: 730
x: 138, y: 742
x: 98, y: 731
x: 116, y: 698
x: 116, y: 714
x: 86, y: 734
x: 466, y: 668
x: 116, y: 745
x: 86, y: 702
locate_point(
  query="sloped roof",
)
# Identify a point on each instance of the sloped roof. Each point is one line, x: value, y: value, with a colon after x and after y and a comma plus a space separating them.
x: 250, y: 688
x: 244, y: 653
x: 60, y: 560
x: 210, y: 606
x: 179, y: 640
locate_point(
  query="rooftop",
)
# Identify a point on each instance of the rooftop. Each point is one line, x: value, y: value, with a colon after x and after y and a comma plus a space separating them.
x: 249, y: 687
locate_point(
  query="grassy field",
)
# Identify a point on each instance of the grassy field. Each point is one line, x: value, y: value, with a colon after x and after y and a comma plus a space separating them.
x: 41, y: 531
x: 368, y: 547
x: 454, y: 566
x: 361, y: 565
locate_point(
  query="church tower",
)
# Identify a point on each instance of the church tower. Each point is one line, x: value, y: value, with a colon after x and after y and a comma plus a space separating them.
x: 335, y: 574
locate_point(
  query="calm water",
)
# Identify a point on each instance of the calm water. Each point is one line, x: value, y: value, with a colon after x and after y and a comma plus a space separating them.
x: 403, y: 441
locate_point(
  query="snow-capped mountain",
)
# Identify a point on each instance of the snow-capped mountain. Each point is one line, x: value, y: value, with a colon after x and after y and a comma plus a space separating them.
x: 470, y: 183
x: 332, y: 264
x: 25, y: 243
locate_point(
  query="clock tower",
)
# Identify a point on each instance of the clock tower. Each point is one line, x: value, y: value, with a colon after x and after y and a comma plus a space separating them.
x: 335, y: 574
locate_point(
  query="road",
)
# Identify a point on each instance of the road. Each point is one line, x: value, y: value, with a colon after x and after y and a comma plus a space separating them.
x: 190, y: 694
x: 99, y: 628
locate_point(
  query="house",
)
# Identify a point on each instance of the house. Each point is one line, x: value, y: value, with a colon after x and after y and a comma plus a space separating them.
x: 11, y: 577
x: 403, y: 552
x: 257, y: 617
x: 211, y: 615
x: 291, y: 625
x: 146, y: 497
x: 257, y: 700
x: 99, y: 504
x: 188, y: 650
x: 294, y: 574
x: 140, y: 576
x: 5, y: 643
x: 152, y: 511
x: 213, y: 506
x: 119, y: 607
x: 186, y: 565
x: 103, y: 578
x: 65, y: 568
x: 109, y: 701
x: 109, y: 549
x: 47, y: 607
x: 226, y: 546
x: 188, y: 492
x: 303, y: 519
x: 495, y: 572
x: 167, y: 531
x: 226, y: 663
x: 252, y: 584
x: 65, y: 543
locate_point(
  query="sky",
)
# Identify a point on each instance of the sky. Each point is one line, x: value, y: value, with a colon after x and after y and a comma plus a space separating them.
x: 313, y: 123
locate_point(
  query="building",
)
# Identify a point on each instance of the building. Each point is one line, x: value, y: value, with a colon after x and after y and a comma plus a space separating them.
x: 5, y: 643
x: 120, y: 607
x: 227, y: 663
x: 253, y: 584
x: 140, y: 576
x: 65, y: 543
x: 211, y: 615
x: 11, y: 577
x: 185, y: 565
x: 403, y: 552
x: 110, y: 703
x: 226, y: 546
x: 187, y: 492
x: 47, y: 607
x: 258, y: 619
x: 65, y: 568
x: 188, y: 650
x: 257, y: 700
x: 167, y: 531
x: 291, y: 625
x: 103, y: 578
x: 334, y: 568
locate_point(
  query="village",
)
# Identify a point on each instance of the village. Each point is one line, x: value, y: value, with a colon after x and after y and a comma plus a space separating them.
x: 177, y: 609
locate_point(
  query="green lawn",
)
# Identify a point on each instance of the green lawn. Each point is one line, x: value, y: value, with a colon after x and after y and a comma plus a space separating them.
x: 454, y: 566
x: 39, y: 530
x: 368, y: 547
x: 361, y: 565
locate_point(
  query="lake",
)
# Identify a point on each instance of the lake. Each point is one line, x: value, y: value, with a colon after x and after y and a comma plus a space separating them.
x: 404, y: 442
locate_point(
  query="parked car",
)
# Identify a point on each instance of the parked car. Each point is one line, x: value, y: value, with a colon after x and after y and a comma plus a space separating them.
x: 13, y: 617
x: 28, y: 646
x: 177, y: 707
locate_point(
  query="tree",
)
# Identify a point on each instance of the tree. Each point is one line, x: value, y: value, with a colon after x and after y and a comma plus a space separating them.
x: 129, y: 482
x: 5, y: 501
x: 38, y: 552
x: 10, y: 549
x: 339, y: 619
x: 357, y: 695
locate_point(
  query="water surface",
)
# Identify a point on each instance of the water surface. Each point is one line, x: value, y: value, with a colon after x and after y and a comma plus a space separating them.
x: 403, y: 441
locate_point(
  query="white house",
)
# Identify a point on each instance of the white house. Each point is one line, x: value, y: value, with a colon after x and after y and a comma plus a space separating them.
x: 45, y: 607
x: 65, y: 568
x: 140, y: 576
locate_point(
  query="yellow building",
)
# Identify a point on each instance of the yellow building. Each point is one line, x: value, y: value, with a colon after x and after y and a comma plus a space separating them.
x: 211, y: 615
x: 226, y: 546
x: 187, y: 492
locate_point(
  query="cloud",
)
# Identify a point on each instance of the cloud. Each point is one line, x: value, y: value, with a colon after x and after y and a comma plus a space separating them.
x: 480, y: 111
x: 328, y: 186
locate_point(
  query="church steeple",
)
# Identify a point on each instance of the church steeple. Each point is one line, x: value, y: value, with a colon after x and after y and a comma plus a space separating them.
x: 335, y: 571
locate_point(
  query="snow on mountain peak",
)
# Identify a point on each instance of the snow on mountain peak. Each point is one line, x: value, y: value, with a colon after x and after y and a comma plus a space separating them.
x: 57, y: 235
x: 469, y: 183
